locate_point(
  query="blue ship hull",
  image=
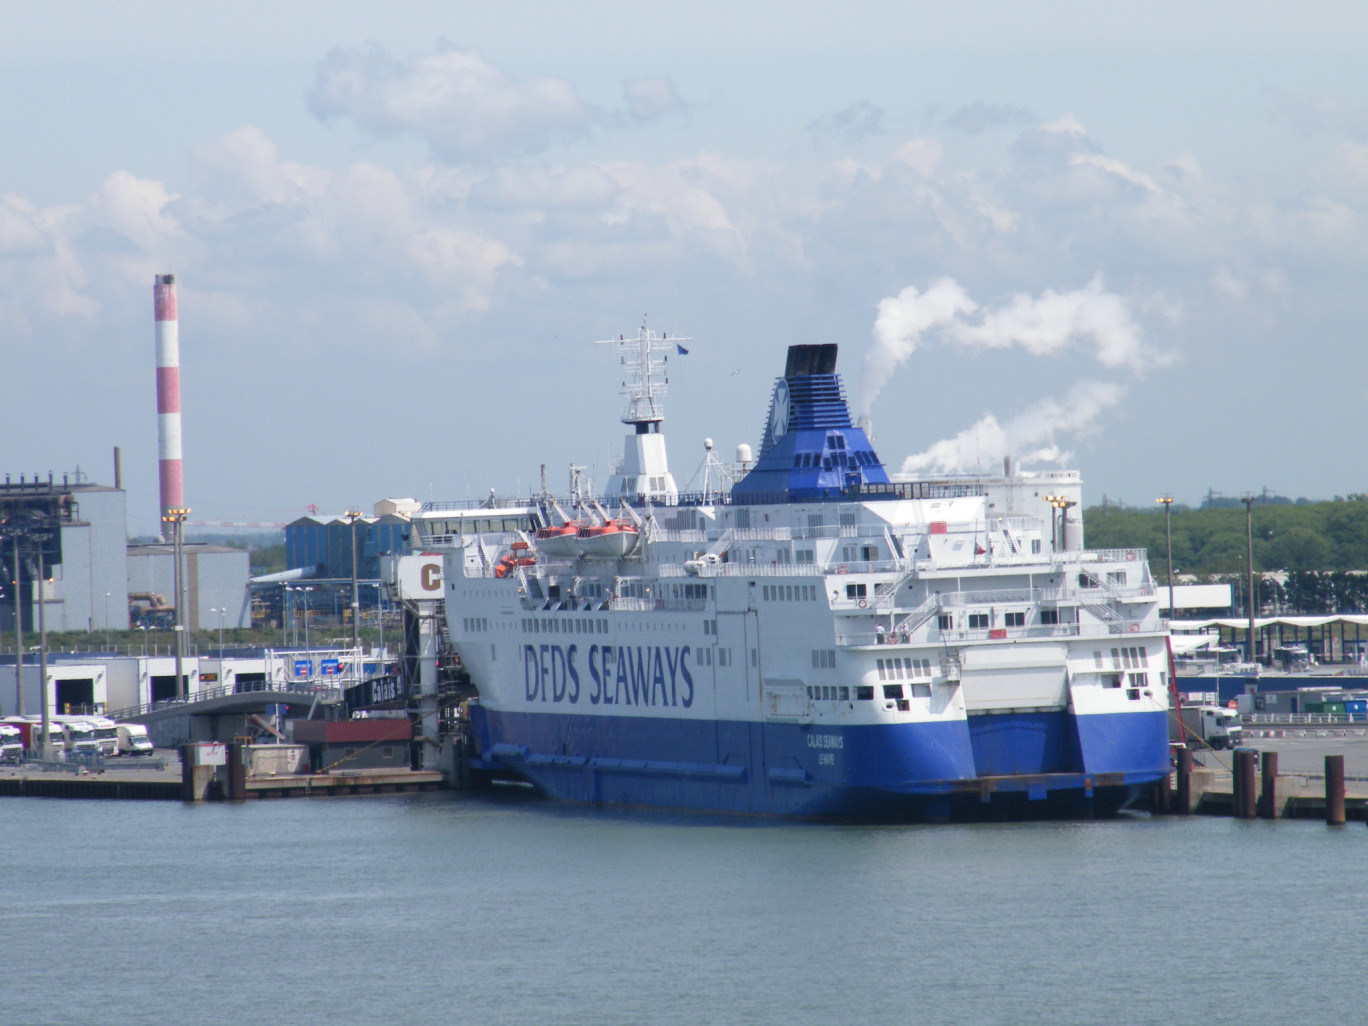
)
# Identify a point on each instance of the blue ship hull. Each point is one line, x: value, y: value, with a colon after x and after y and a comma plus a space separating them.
x: 1007, y: 764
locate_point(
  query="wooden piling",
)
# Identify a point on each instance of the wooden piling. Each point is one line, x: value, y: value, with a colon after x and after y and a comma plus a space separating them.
x: 1268, y: 797
x: 1242, y: 783
x: 188, y: 773
x: 237, y: 773
x: 1183, y: 799
x: 1334, y: 790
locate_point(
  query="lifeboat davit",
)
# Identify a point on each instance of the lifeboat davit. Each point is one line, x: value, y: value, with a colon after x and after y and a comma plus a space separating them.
x: 612, y: 540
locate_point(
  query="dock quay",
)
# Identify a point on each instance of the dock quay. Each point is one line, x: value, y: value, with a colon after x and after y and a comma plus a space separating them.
x: 176, y: 778
x: 1297, y: 796
x: 1293, y: 776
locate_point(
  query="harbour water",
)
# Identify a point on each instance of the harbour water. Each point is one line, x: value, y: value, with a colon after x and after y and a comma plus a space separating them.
x: 442, y: 908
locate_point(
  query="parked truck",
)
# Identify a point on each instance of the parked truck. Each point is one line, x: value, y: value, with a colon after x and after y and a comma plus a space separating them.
x: 133, y: 739
x: 80, y: 735
x: 11, y: 743
x: 106, y: 735
x: 30, y: 730
x: 1218, y: 727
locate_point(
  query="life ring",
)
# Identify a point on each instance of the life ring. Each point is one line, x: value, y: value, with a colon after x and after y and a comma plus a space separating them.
x: 1133, y: 629
x: 1130, y: 556
x: 862, y: 603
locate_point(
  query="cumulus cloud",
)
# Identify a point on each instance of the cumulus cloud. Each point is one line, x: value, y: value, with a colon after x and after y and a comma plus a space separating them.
x: 858, y: 121
x: 1035, y: 435
x: 1112, y: 166
x: 1306, y: 114
x: 20, y: 232
x: 137, y: 208
x: 467, y: 109
x: 976, y: 118
x: 651, y: 98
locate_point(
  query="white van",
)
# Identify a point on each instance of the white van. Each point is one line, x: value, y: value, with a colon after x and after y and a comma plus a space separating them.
x: 133, y: 739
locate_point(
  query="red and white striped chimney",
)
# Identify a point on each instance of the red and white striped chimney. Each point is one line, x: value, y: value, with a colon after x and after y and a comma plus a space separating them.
x: 168, y: 393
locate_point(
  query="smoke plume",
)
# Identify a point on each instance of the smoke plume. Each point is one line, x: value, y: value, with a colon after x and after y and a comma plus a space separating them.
x: 1032, y: 436
x: 898, y: 330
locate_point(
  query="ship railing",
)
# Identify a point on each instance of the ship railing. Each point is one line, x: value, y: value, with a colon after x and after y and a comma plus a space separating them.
x: 466, y: 505
x: 1136, y: 555
x: 686, y: 537
x: 774, y: 533
x: 744, y: 570
x: 319, y: 684
x: 858, y: 639
x: 1005, y: 595
x: 862, y: 566
x: 1302, y: 719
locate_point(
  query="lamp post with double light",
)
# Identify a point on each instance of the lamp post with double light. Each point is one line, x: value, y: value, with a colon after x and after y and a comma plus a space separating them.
x: 1167, y: 500
x: 1249, y: 499
x: 175, y: 518
x: 353, y: 516
x: 1054, y: 501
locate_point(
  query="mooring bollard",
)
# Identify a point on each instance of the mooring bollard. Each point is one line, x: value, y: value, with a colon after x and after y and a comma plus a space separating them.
x: 1242, y: 783
x: 1183, y: 799
x: 1268, y: 797
x: 1334, y: 790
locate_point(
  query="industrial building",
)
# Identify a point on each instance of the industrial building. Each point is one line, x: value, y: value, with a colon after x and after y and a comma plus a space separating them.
x: 215, y: 582
x: 324, y: 544
x: 85, y: 570
x: 92, y: 576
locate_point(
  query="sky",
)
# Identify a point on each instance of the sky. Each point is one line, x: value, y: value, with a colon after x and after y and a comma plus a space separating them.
x: 1126, y: 239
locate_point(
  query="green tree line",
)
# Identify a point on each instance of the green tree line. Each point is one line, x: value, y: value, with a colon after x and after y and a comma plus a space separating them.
x: 1318, y: 537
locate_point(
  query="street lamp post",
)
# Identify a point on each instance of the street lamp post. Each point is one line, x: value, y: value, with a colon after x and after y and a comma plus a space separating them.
x: 39, y: 537
x: 1167, y: 500
x: 143, y: 627
x: 353, y: 516
x: 176, y: 518
x: 18, y: 631
x: 1064, y: 505
x: 1054, y: 501
x: 1249, y: 500
x: 380, y: 619
x: 106, y: 618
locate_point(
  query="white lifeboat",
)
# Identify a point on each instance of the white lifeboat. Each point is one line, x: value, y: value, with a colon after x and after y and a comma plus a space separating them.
x: 559, y: 542
x: 611, y: 540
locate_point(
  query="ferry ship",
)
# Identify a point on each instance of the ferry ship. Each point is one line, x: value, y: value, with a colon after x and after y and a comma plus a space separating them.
x: 815, y: 639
